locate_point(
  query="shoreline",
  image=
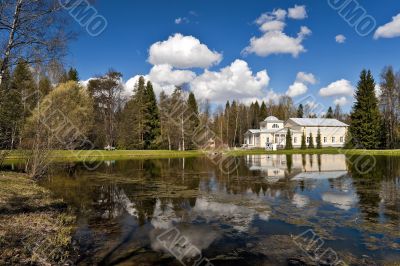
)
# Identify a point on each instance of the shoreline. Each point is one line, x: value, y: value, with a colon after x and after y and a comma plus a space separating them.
x: 35, y: 227
x: 100, y: 155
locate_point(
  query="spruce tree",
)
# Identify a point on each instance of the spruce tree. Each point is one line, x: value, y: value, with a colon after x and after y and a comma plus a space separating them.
x: 303, y: 142
x: 72, y: 75
x: 300, y: 111
x: 152, y: 118
x: 193, y: 119
x: 365, y: 123
x: 311, y: 143
x: 319, y: 140
x: 263, y: 112
x: 289, y: 143
x: 329, y: 114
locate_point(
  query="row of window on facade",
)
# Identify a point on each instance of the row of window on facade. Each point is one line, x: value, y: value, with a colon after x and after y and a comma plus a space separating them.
x: 324, y: 141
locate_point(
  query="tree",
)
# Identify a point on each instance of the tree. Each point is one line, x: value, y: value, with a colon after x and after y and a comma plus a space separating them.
x: 106, y: 92
x: 166, y: 123
x: 365, y: 124
x: 34, y: 30
x: 44, y: 86
x: 303, y: 142
x: 319, y: 139
x: 300, y: 111
x: 152, y: 118
x: 289, y: 143
x: 263, y: 112
x: 193, y: 119
x: 338, y: 112
x: 329, y: 114
x: 389, y: 100
x: 18, y: 102
x: 60, y: 121
x: 73, y: 75
x: 311, y: 142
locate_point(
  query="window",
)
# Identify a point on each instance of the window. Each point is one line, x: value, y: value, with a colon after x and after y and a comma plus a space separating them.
x: 267, y: 139
x: 341, y: 139
x: 325, y: 139
x: 295, y: 140
x: 275, y: 126
x: 333, y: 139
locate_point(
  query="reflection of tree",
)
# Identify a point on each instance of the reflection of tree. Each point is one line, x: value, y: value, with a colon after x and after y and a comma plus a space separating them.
x: 372, y: 186
x: 289, y: 162
x: 319, y: 162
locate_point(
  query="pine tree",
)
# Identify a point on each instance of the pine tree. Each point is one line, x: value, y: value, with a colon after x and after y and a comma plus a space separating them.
x: 311, y: 143
x: 44, y: 86
x: 72, y: 75
x: 365, y: 117
x: 319, y: 140
x: 329, y: 114
x: 289, y: 143
x: 303, y: 142
x: 263, y: 112
x: 193, y: 119
x: 152, y: 118
x: 300, y: 111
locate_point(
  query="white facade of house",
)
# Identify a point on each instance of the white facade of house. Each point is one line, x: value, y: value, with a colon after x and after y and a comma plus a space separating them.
x: 273, y: 131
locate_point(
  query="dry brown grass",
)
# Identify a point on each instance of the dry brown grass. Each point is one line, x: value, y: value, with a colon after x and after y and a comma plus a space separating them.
x: 35, y: 228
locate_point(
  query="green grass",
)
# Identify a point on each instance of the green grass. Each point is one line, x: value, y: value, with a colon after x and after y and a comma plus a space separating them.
x: 99, y: 155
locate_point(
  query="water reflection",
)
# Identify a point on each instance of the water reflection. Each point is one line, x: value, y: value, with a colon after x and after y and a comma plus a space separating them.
x: 244, y: 218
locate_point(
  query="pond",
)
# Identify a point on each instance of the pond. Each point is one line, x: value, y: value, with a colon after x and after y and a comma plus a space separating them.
x: 271, y: 210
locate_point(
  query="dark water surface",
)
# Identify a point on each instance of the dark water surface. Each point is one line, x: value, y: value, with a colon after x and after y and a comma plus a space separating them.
x: 151, y: 212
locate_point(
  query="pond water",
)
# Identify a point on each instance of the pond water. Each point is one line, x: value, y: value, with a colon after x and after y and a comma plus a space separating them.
x: 179, y: 211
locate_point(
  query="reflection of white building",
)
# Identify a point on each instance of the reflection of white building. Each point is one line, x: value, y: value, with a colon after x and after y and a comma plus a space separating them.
x: 302, y: 166
x: 273, y: 131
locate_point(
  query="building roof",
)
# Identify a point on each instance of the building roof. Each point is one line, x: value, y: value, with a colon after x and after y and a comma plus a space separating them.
x: 272, y: 119
x: 318, y: 122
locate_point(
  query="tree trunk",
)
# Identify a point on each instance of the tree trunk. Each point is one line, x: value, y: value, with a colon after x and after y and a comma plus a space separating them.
x: 7, y: 54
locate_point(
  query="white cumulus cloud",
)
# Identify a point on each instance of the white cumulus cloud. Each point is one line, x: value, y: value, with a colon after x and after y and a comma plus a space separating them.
x: 340, y: 38
x: 183, y: 52
x: 277, y: 42
x: 389, y: 30
x: 297, y: 89
x: 340, y: 101
x: 234, y: 82
x: 165, y: 75
x: 273, y: 25
x: 306, y: 78
x: 340, y: 87
x: 297, y: 12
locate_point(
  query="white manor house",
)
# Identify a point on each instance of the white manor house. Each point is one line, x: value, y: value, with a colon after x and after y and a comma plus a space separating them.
x: 272, y: 132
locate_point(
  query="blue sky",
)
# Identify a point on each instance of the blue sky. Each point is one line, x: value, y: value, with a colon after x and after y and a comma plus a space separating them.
x: 225, y: 29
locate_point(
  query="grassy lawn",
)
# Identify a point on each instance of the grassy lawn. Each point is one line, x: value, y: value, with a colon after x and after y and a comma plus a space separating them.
x: 93, y: 155
x: 35, y: 228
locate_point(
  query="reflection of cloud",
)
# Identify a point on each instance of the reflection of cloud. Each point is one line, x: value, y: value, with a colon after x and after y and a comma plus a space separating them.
x: 319, y: 175
x: 164, y: 217
x: 185, y: 236
x: 300, y: 200
x: 344, y: 201
x: 239, y: 217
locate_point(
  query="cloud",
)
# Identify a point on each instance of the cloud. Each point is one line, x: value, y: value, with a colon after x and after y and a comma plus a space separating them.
x: 297, y: 89
x: 277, y: 14
x: 181, y: 20
x: 340, y: 87
x: 297, y: 12
x: 234, y: 82
x: 165, y: 75
x: 378, y: 90
x: 340, y: 38
x: 389, y: 30
x: 273, y: 25
x: 340, y: 101
x: 183, y: 52
x: 277, y: 42
x: 306, y: 78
